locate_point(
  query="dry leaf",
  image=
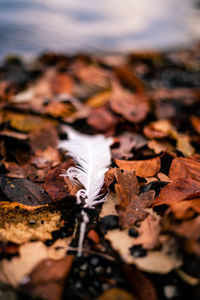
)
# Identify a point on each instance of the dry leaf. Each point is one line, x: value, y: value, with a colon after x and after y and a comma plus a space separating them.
x: 195, y: 123
x: 18, y: 224
x: 143, y: 168
x: 131, y: 205
x: 17, y: 270
x: 185, y: 168
x: 183, y: 197
x: 102, y: 120
x: 55, y: 185
x: 161, y: 146
x: 127, y: 141
x: 116, y: 294
x: 161, y: 262
x: 99, y: 99
x: 149, y: 231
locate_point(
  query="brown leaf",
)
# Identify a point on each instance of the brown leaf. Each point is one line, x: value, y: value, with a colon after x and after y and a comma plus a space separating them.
x: 159, y: 129
x: 161, y: 146
x: 20, y: 224
x: 188, y: 228
x: 46, y: 158
x: 183, y: 144
x: 51, y: 270
x: 102, y: 120
x: 23, y: 191
x: 143, y: 168
x: 55, y: 184
x: 137, y: 280
x: 132, y: 206
x: 181, y: 189
x: 61, y: 83
x: 185, y: 168
x: 160, y: 261
x: 133, y: 108
x: 129, y: 79
x: 127, y: 141
x: 41, y: 139
x: 99, y: 99
x: 27, y: 123
x: 195, y: 123
x: 116, y: 294
x: 183, y: 197
x: 16, y: 271
x: 149, y: 231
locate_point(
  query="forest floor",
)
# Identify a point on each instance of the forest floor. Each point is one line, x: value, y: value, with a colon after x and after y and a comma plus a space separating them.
x: 143, y: 242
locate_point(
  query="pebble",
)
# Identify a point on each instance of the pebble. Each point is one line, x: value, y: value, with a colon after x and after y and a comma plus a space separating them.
x: 110, y: 222
x: 133, y: 232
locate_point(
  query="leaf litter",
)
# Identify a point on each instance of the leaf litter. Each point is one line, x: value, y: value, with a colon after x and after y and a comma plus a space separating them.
x: 143, y: 241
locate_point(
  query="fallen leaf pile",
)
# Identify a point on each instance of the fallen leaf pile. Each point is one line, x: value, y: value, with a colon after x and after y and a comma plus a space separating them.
x: 143, y: 243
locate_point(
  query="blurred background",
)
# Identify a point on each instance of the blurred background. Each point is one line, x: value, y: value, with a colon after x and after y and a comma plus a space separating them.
x: 29, y: 27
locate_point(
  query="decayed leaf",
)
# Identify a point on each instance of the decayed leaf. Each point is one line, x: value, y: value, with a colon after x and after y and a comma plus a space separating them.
x: 55, y: 185
x: 116, y: 294
x: 161, y: 262
x: 23, y: 191
x: 131, y: 205
x: 19, y: 224
x: 127, y: 141
x: 17, y: 270
x: 143, y: 168
x: 185, y: 168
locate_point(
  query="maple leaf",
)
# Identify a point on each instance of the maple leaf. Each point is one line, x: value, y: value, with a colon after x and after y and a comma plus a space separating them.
x: 131, y: 204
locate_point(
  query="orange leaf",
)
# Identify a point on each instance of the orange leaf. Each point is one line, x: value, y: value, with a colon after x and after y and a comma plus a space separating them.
x: 143, y: 168
x: 185, y: 168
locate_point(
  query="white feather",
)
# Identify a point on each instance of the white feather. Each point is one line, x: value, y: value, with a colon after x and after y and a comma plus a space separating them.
x: 92, y: 157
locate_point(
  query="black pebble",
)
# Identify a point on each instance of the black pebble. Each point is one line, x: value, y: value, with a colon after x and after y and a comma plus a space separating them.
x: 137, y: 251
x: 110, y: 222
x: 133, y: 232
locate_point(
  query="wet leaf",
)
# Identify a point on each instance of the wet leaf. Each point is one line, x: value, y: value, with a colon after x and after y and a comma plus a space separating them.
x: 142, y: 168
x: 23, y: 191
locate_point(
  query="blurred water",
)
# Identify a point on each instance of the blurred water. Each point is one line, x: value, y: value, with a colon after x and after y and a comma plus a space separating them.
x: 31, y: 26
